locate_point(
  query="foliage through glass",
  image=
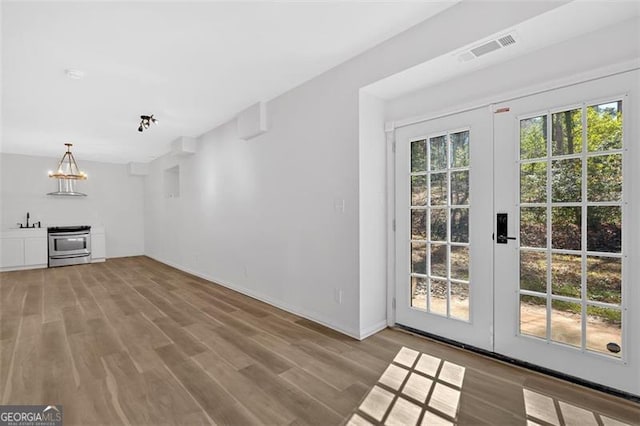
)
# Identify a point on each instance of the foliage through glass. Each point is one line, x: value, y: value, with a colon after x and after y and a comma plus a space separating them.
x: 440, y: 203
x: 571, y: 190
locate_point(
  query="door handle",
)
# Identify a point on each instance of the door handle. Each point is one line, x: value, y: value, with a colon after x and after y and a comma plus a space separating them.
x: 502, y: 233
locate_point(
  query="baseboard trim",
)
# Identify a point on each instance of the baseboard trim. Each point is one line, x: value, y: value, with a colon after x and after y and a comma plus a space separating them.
x: 524, y: 364
x: 370, y: 331
x: 313, y: 316
x: 22, y: 268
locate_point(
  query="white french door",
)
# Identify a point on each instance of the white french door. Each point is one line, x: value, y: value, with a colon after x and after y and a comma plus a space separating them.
x: 562, y: 290
x: 566, y: 288
x: 443, y: 227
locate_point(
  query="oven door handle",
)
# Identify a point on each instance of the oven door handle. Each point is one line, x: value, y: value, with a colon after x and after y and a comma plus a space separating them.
x: 70, y: 256
x: 68, y: 234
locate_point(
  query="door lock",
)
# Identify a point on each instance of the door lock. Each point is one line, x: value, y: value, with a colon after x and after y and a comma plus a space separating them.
x: 502, y: 233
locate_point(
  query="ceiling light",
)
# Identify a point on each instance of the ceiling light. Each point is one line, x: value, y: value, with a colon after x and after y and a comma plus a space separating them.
x: 146, y: 121
x: 75, y: 74
x: 67, y: 167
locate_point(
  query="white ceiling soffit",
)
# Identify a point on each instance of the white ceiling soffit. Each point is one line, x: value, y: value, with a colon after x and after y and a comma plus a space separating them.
x: 193, y: 65
x: 560, y: 24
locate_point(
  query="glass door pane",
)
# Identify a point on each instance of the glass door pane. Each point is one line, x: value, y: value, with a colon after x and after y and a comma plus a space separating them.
x: 440, y: 281
x: 570, y: 227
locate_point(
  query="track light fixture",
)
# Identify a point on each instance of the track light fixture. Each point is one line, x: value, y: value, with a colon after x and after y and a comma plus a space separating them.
x: 146, y: 121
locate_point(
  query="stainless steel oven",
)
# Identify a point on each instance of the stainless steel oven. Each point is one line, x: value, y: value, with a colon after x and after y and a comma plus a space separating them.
x: 69, y: 245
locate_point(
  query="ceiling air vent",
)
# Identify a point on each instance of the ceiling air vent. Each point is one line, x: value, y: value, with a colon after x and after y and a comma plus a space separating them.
x: 488, y: 47
x: 506, y: 40
x: 485, y: 48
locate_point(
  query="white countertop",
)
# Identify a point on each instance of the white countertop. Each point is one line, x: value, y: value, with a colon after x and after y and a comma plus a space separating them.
x: 39, y: 232
x: 24, y: 233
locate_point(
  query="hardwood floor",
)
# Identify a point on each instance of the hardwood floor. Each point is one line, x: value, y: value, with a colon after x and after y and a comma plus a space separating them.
x: 132, y: 341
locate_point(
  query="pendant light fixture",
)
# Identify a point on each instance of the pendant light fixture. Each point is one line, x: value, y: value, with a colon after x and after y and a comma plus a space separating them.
x: 67, y: 167
x: 146, y: 121
x: 67, y: 174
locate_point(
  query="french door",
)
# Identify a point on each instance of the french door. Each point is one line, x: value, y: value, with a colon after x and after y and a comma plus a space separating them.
x: 555, y: 283
x: 443, y: 227
x: 567, y: 286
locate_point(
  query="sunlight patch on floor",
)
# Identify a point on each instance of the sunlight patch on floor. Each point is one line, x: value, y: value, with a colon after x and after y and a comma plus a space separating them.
x: 414, y: 389
x: 544, y: 410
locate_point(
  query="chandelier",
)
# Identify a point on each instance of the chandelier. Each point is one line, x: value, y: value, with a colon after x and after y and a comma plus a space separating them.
x: 67, y: 167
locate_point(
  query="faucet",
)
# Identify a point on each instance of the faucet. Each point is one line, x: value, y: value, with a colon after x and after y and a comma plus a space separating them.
x: 27, y: 225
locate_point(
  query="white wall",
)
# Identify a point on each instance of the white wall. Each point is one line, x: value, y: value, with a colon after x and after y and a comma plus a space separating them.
x: 373, y: 218
x: 265, y: 216
x: 114, y: 200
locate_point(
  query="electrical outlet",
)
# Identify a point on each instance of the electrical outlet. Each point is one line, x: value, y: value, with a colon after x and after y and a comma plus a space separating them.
x: 337, y: 296
x: 246, y: 271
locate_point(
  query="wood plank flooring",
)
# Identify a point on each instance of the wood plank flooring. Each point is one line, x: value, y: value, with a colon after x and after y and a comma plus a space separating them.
x: 132, y: 341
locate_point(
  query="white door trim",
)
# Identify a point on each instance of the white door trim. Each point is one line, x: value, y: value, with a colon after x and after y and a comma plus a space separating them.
x: 391, y: 220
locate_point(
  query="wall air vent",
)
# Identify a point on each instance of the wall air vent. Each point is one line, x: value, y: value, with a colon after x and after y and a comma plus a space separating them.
x: 487, y: 47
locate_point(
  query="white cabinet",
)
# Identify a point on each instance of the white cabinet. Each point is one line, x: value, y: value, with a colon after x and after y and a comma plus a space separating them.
x: 11, y: 252
x: 98, y: 244
x: 23, y: 249
x: 35, y: 251
x: 98, y: 247
x: 28, y: 248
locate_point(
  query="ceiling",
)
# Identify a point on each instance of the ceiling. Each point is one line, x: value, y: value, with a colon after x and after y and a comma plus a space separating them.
x: 193, y: 65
